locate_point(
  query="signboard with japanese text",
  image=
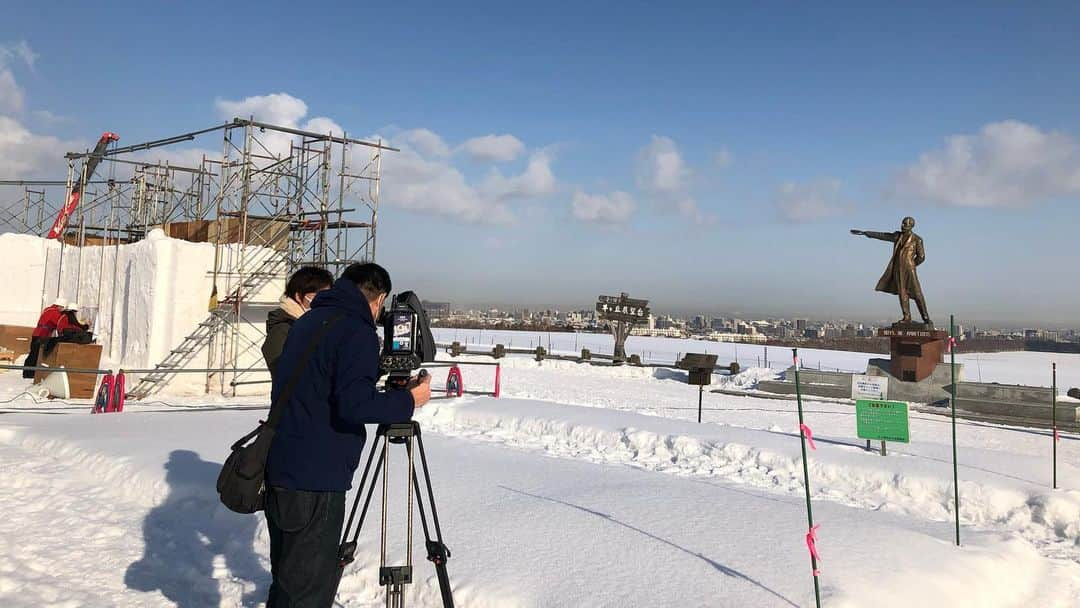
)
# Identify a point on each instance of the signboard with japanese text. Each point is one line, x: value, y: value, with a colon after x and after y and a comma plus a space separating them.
x: 869, y: 387
x: 883, y: 420
x: 622, y: 308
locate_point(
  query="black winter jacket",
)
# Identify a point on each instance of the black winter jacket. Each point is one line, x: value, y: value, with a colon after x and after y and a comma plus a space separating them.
x: 278, y: 323
x: 321, y: 434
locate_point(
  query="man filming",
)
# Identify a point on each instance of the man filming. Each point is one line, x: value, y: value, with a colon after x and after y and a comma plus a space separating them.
x: 321, y: 434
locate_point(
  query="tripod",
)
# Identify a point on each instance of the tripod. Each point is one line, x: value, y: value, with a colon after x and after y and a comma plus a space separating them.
x: 394, y: 578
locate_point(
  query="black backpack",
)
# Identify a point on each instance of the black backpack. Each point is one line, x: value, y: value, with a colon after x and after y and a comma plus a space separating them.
x: 241, y: 484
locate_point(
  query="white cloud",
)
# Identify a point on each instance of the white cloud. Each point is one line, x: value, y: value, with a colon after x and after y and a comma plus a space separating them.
x: 614, y: 208
x: 411, y: 181
x: 535, y: 181
x: 12, y: 97
x: 661, y: 168
x: 19, y: 50
x: 11, y: 94
x: 323, y: 125
x: 280, y: 109
x: 664, y: 176
x: 805, y: 202
x: 426, y: 141
x: 419, y: 178
x: 723, y: 158
x: 48, y: 118
x: 277, y: 108
x: 493, y: 148
x: 1006, y: 164
x: 24, y: 154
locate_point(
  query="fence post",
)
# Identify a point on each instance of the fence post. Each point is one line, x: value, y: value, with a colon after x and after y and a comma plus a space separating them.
x: 1053, y: 415
x: 952, y: 388
x: 806, y: 479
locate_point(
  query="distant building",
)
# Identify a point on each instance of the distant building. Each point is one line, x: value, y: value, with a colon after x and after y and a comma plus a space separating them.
x: 436, y: 310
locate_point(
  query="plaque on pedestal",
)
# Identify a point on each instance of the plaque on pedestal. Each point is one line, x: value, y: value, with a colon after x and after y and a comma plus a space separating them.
x: 915, y: 350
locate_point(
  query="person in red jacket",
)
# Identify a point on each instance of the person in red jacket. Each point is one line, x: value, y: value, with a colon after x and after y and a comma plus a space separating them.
x: 46, y: 325
x: 69, y: 320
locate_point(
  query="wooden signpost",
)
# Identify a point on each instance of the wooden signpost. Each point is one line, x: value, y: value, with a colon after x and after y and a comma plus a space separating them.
x: 623, y: 312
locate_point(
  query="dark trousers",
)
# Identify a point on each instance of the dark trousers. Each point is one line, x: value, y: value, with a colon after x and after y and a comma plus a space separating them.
x: 305, y: 530
x: 32, y: 357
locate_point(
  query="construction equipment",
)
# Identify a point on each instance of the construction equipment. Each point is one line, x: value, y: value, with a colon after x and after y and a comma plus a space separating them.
x: 77, y: 186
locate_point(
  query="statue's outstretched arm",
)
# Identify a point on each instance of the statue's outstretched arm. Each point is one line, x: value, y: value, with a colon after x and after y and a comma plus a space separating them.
x: 881, y: 236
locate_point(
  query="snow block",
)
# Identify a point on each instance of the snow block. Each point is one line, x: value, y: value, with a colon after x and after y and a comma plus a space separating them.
x: 835, y: 385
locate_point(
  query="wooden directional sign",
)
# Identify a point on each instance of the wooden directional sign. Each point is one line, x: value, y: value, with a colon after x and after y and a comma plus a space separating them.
x: 622, y: 308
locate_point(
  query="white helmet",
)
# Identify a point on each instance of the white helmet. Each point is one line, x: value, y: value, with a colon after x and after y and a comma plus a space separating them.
x: 60, y: 303
x: 72, y: 306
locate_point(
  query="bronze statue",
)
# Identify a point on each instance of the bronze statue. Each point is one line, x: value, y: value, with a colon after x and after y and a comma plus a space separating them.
x: 900, y: 277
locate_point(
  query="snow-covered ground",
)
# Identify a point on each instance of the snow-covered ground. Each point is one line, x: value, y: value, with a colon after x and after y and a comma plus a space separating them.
x: 582, y: 486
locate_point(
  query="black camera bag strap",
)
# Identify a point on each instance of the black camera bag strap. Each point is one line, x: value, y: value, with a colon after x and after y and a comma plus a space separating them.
x: 241, y: 485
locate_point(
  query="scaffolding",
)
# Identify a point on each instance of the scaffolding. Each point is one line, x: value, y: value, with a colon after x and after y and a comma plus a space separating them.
x: 277, y: 198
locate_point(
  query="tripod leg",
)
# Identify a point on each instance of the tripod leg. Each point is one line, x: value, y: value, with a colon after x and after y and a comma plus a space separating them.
x: 437, y: 551
x: 347, y: 549
x: 360, y: 488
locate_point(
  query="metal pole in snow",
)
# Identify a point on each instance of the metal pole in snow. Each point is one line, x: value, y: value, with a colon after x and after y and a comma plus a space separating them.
x: 806, y: 475
x: 952, y: 388
x: 1053, y: 414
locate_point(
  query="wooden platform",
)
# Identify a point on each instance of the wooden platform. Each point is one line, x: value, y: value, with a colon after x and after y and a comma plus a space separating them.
x: 16, y: 338
x: 81, y: 356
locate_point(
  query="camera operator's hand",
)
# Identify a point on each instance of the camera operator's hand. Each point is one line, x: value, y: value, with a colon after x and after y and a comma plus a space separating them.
x: 420, y: 387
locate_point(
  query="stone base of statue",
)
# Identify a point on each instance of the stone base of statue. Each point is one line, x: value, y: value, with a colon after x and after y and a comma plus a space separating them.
x: 915, y: 350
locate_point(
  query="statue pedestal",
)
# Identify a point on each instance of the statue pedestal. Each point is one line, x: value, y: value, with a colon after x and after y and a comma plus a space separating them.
x: 915, y: 350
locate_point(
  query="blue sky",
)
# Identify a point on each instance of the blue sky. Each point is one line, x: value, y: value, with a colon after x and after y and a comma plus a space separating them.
x: 708, y: 157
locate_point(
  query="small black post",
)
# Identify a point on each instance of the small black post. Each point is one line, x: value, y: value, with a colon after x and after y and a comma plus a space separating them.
x: 882, y: 447
x: 700, y: 393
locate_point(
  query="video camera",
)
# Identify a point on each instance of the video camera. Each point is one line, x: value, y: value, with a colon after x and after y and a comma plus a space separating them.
x: 407, y: 339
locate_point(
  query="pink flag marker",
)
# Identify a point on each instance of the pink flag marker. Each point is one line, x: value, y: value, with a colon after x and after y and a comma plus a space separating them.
x: 809, y: 436
x: 950, y: 344
x: 811, y: 544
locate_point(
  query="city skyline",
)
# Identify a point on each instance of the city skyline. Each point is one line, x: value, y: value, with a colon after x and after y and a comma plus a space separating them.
x: 687, y: 315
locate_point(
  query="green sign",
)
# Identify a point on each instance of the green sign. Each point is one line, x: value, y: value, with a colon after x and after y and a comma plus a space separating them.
x: 884, y: 420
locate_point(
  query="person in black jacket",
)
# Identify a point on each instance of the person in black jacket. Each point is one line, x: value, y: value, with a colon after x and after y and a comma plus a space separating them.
x: 300, y: 290
x: 321, y: 434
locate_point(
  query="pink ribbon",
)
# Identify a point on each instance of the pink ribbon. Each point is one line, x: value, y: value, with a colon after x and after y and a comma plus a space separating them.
x: 950, y: 344
x: 796, y: 360
x: 809, y: 436
x: 811, y: 544
x: 1056, y: 436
